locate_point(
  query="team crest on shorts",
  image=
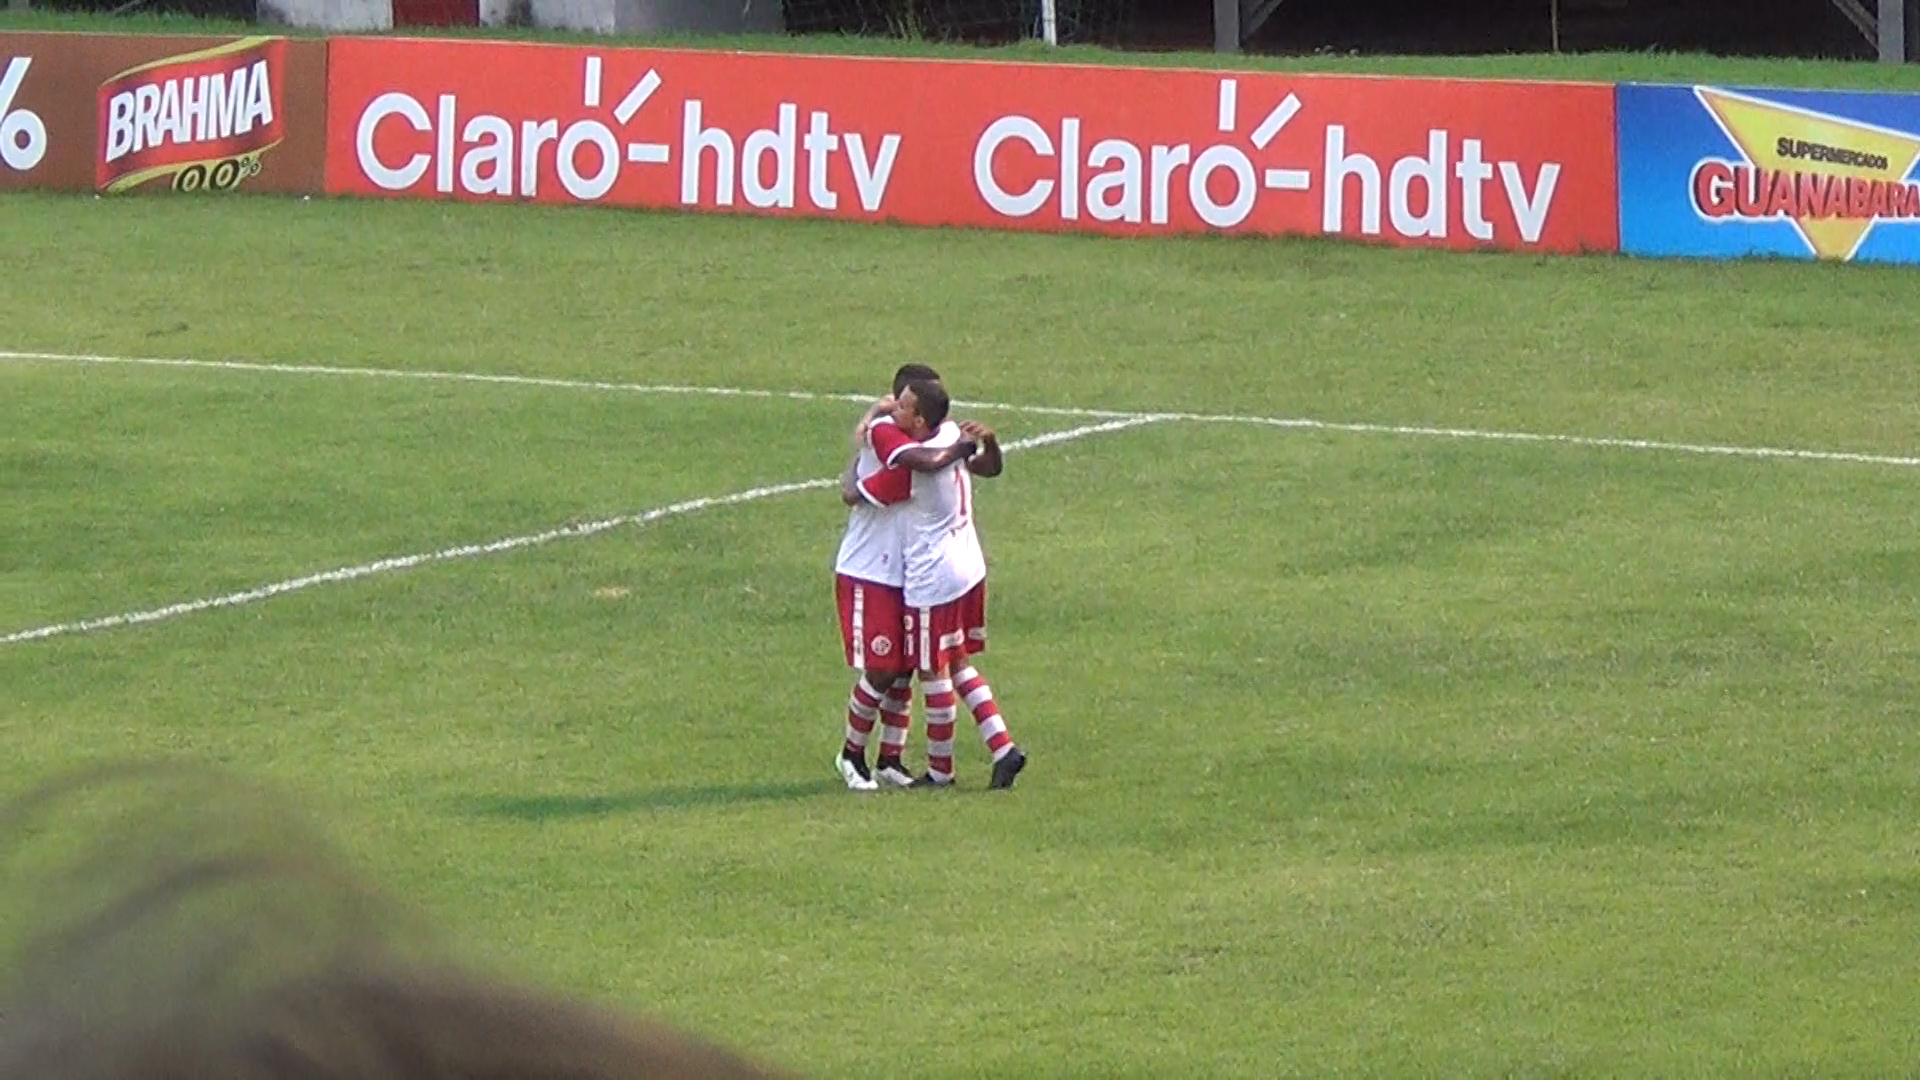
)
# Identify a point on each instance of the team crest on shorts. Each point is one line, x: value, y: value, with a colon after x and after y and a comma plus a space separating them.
x: 880, y: 646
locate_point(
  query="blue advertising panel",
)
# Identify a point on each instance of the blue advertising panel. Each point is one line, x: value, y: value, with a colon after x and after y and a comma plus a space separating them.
x: 1802, y: 174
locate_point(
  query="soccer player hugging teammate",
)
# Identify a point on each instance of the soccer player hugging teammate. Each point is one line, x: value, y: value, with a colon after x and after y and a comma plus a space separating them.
x: 911, y: 579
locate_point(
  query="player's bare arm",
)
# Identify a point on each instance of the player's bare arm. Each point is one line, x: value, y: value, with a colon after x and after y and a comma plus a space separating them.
x: 927, y: 459
x: 988, y: 462
x: 850, y: 484
x: 874, y: 412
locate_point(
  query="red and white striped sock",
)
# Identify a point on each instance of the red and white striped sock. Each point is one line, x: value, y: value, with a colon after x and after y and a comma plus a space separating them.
x: 940, y: 715
x: 896, y: 715
x: 862, y: 711
x: 986, y: 714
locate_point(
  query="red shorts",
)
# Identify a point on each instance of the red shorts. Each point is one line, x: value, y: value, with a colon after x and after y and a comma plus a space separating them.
x: 948, y: 633
x: 873, y: 624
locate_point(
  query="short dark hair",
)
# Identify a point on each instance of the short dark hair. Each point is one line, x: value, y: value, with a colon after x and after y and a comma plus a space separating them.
x: 930, y: 401
x: 912, y: 373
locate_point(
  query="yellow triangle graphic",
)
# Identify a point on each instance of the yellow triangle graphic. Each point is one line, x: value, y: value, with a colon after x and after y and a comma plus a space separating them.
x: 1812, y: 150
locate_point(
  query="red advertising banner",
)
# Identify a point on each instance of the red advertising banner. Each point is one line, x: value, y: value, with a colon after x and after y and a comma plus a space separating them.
x: 1413, y: 161
x: 120, y: 112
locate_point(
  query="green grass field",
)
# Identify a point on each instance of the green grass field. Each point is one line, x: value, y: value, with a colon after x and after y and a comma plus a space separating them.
x: 1355, y: 751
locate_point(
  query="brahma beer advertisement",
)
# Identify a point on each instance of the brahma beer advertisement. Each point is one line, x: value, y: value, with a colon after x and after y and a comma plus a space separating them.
x: 1448, y: 163
x: 115, y: 113
x: 1804, y: 174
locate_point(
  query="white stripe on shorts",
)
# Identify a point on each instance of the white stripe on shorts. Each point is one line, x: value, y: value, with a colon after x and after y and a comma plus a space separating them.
x: 859, y: 626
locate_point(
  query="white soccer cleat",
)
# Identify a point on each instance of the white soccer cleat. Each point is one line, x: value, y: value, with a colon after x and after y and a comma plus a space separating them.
x: 850, y: 771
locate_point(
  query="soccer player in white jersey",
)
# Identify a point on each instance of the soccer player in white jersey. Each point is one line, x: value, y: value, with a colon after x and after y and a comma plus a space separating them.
x: 868, y: 579
x: 945, y: 572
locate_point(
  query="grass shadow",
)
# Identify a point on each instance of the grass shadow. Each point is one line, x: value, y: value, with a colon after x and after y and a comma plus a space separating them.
x: 563, y: 807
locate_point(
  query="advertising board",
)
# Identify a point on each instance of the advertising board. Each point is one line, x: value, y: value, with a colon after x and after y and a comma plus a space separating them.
x: 1056, y: 147
x: 119, y: 112
x: 1802, y: 174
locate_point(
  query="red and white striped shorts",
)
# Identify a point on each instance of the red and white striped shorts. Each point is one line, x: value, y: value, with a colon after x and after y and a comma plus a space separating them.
x: 950, y: 632
x: 873, y: 624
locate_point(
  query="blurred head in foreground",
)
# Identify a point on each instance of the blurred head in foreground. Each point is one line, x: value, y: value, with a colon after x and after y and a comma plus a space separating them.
x: 166, y: 922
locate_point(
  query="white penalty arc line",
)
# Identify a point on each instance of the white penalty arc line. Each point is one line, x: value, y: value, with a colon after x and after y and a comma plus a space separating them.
x: 512, y: 543
x: 1302, y: 423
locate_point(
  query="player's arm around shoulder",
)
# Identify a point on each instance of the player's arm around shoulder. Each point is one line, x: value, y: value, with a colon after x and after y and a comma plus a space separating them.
x: 873, y: 414
x: 926, y: 459
x: 989, y: 461
x: 896, y: 447
x: 850, y: 483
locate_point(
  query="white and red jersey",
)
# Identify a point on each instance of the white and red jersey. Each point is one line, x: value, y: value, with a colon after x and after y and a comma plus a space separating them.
x: 872, y: 545
x: 942, y: 549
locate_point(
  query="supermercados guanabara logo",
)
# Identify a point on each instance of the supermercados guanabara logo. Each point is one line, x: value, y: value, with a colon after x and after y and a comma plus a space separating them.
x: 1833, y: 178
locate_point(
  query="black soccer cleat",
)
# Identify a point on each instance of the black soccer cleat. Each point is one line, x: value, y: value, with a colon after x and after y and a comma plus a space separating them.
x: 855, y: 772
x: 1008, y: 767
x: 892, y: 772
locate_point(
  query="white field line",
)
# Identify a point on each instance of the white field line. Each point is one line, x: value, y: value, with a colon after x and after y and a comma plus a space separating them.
x: 1900, y: 461
x: 431, y: 376
x: 511, y: 543
x: 1306, y: 424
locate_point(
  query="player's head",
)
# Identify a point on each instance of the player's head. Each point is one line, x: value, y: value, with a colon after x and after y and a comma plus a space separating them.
x: 910, y: 373
x: 921, y: 408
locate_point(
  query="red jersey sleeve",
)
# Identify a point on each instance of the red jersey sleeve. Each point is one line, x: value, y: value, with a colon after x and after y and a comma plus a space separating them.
x: 888, y: 440
x: 889, y: 486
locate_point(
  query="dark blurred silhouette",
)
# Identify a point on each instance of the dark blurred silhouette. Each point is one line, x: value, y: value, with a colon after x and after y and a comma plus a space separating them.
x: 170, y: 922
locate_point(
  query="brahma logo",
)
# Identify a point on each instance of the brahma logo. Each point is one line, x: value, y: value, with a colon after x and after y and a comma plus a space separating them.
x: 203, y: 118
x: 1833, y: 178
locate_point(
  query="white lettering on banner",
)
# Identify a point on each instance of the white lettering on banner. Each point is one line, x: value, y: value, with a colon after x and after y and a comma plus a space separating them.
x: 819, y: 143
x: 779, y: 147
x: 197, y: 108
x: 1474, y: 174
x: 488, y: 169
x: 1529, y: 209
x: 23, y: 135
x: 583, y: 186
x: 389, y: 177
x: 870, y: 175
x: 1126, y: 182
x: 443, y: 143
x: 488, y: 155
x: 1117, y: 187
x: 998, y: 133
